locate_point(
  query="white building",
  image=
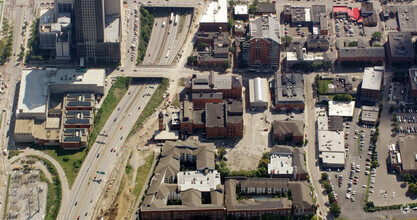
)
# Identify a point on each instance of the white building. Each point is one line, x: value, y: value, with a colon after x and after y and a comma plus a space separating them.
x: 341, y: 108
x: 204, y: 181
x: 331, y: 148
x: 258, y: 93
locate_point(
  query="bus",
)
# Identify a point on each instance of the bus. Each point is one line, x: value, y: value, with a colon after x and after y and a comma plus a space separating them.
x: 176, y: 20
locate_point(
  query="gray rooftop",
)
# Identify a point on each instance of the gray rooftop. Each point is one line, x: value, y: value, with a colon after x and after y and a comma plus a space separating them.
x: 372, y: 78
x: 407, y: 18
x: 362, y: 52
x: 112, y: 29
x: 408, y: 150
x: 215, y: 115
x: 400, y: 44
x: 413, y: 78
x: 265, y: 27
x: 289, y: 88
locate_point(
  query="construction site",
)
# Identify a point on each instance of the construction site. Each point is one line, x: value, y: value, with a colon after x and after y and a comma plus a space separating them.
x: 27, y: 195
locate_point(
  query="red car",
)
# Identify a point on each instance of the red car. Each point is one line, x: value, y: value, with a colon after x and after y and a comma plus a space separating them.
x: 112, y: 150
x: 149, y: 55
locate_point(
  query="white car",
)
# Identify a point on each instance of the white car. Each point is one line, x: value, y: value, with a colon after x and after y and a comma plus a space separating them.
x: 363, y: 186
x: 347, y: 195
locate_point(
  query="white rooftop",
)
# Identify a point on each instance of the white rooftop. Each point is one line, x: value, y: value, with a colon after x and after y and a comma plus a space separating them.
x: 111, y: 31
x: 339, y: 108
x: 258, y: 90
x: 331, y: 141
x: 198, y: 180
x: 333, y: 158
x: 372, y: 78
x: 216, y: 12
x: 241, y: 9
x: 280, y: 164
x: 322, y: 122
x: 292, y: 56
x: 33, y: 92
x: 71, y: 76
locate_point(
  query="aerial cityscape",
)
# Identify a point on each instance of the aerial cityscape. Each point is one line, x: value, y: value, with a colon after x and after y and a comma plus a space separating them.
x: 208, y: 109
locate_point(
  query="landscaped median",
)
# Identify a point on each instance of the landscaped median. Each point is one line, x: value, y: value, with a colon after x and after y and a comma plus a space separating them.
x: 156, y: 99
x: 7, y: 198
x: 54, y: 196
x: 71, y: 160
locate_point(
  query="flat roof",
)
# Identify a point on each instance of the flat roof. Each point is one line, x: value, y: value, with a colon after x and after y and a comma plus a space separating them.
x: 281, y: 164
x: 72, y: 76
x: 408, y: 151
x: 407, y: 21
x: 216, y: 12
x: 333, y: 158
x: 322, y: 123
x: 413, y: 78
x: 33, y: 92
x: 372, y: 78
x: 24, y: 126
x: 400, y: 44
x: 258, y: 90
x: 331, y: 141
x: 265, y: 27
x: 340, y: 108
x: 111, y: 30
x: 241, y: 9
x: 198, y: 180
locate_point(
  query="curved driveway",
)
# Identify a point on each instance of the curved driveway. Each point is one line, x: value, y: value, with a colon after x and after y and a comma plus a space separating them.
x: 61, y: 173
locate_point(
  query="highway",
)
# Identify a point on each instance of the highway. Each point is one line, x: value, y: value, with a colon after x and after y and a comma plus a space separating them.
x: 159, y: 33
x: 86, y: 189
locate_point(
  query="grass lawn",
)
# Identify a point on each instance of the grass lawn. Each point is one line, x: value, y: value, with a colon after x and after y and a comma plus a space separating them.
x: 153, y: 103
x: 176, y: 101
x: 323, y: 86
x: 182, y: 22
x: 141, y: 175
x: 3, y: 43
x: 7, y: 198
x: 181, y: 82
x: 13, y: 153
x: 71, y: 160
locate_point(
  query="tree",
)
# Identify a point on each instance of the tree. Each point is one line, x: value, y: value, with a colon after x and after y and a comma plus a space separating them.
x: 192, y: 61
x: 201, y: 46
x: 375, y: 163
x: 327, y: 187
x: 377, y: 35
x: 407, y: 177
x: 353, y: 44
x: 342, y: 97
x: 225, y: 65
x: 286, y: 40
x: 252, y: 9
x: 221, y: 151
x: 230, y: 23
x: 332, y: 198
x: 335, y: 209
x: 324, y: 176
x: 412, y: 187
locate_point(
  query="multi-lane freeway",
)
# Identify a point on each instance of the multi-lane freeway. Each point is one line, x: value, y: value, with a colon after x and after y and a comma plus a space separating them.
x: 104, y: 153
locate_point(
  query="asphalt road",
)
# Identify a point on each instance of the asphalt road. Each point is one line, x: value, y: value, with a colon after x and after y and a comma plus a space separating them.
x: 158, y: 36
x: 85, y: 191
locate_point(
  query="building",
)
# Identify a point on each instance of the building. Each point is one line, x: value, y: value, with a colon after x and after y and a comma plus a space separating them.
x: 241, y: 12
x: 331, y: 148
x: 340, y: 12
x: 341, y: 108
x: 351, y: 55
x: 407, y: 17
x: 218, y: 49
x: 262, y: 202
x: 98, y: 30
x: 412, y: 73
x: 215, y: 18
x: 55, y: 106
x: 287, y: 162
x: 224, y: 119
x: 370, y: 114
x: 367, y: 8
x: 262, y: 50
x: 265, y: 9
x: 372, y: 83
x: 336, y: 123
x: 258, y: 93
x: 289, y: 92
x: 174, y: 193
x: 318, y: 42
x: 240, y: 30
x: 55, y: 33
x: 301, y: 56
x: 217, y: 119
x: 406, y: 158
x: 288, y: 132
x: 229, y: 86
x: 400, y: 49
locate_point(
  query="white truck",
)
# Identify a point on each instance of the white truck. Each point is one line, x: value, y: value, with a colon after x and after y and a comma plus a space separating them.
x: 163, y: 24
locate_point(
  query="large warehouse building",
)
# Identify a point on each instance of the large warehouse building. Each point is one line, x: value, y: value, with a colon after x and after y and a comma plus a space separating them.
x: 258, y: 93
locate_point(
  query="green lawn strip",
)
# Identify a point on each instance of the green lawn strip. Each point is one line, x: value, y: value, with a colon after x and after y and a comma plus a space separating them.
x: 323, y: 86
x: 153, y: 103
x: 13, y: 153
x: 54, y: 197
x: 147, y: 18
x: 141, y: 175
x: 71, y: 160
x: 7, y: 198
x: 368, y: 183
x: 182, y: 22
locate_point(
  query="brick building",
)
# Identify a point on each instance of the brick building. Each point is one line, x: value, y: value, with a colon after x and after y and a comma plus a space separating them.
x: 262, y: 50
x: 288, y: 132
x: 372, y: 83
x: 215, y: 17
x: 400, y: 49
x: 373, y: 55
x: 229, y: 86
x: 289, y: 92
